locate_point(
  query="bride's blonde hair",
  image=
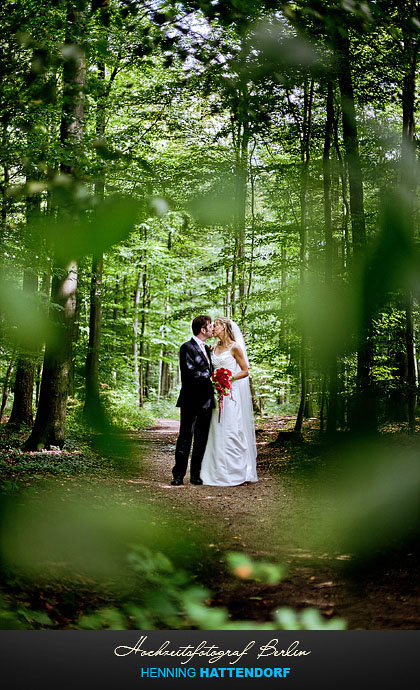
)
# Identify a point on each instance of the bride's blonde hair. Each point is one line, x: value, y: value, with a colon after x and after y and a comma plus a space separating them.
x: 228, y: 328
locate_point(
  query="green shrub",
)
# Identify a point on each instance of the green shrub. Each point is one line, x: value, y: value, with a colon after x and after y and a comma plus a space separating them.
x: 165, y: 597
x: 125, y: 412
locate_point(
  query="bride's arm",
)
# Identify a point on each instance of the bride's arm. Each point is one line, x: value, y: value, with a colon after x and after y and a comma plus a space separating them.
x: 239, y: 356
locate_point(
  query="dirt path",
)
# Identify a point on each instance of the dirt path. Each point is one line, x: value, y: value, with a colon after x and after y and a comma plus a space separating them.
x: 260, y: 519
x: 197, y: 525
x: 239, y: 515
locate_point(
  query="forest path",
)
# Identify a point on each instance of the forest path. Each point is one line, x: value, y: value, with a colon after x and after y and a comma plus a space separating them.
x: 237, y: 517
x: 264, y: 520
x: 259, y: 519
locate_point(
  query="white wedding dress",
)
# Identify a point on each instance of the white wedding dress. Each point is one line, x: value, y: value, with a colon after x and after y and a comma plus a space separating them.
x: 230, y: 455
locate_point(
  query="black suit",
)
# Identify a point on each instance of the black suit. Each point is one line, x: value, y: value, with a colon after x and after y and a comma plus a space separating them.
x: 196, y: 400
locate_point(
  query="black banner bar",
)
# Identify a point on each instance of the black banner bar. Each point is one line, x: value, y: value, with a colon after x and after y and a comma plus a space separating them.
x: 197, y: 659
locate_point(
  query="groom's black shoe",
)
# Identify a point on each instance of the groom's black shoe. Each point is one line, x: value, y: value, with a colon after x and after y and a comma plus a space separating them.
x: 177, y: 481
x: 196, y: 480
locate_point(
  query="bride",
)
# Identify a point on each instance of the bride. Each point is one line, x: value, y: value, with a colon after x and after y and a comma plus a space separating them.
x: 230, y: 455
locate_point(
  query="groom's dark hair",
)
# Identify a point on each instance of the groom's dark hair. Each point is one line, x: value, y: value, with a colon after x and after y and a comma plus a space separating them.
x: 199, y: 323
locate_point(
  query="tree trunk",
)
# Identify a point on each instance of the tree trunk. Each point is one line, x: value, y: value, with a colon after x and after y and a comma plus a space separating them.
x: 166, y: 373
x: 6, y: 388
x: 326, y: 167
x: 241, y: 196
x: 256, y: 402
x: 408, y: 181
x: 233, y: 278
x: 145, y: 306
x: 38, y: 379
x: 364, y: 412
x: 351, y: 146
x: 145, y: 386
x: 412, y: 377
x: 115, y: 329
x: 159, y: 376
x: 331, y: 373
x: 283, y: 395
x: 227, y: 295
x: 303, y: 252
x: 251, y: 258
x: 240, y: 138
x: 49, y: 427
x: 22, y: 410
x: 135, y: 338
x: 5, y: 199
x: 92, y: 402
x: 346, y: 245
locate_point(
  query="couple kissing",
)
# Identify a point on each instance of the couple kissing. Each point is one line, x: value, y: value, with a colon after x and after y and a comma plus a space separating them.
x: 224, y: 450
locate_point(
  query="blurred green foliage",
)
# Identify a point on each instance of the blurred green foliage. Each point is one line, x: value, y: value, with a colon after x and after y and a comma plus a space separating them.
x: 242, y: 566
x: 366, y: 499
x: 59, y: 536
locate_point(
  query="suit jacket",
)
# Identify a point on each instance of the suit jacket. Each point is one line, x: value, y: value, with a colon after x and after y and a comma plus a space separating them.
x: 196, y: 385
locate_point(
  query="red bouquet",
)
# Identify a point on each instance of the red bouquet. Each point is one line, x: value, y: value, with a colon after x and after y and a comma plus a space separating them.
x: 222, y: 380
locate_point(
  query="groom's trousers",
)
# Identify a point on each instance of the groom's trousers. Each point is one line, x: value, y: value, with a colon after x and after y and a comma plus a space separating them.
x: 193, y: 423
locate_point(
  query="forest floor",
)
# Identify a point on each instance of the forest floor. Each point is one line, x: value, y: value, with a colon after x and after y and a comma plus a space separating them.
x: 266, y: 520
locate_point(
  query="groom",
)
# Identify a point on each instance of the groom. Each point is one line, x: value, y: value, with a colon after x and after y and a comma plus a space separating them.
x: 196, y: 400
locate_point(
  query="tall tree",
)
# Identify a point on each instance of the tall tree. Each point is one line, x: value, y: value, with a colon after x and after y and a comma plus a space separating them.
x: 305, y: 137
x: 331, y: 373
x: 49, y: 427
x: 22, y: 410
x: 409, y: 176
x: 364, y: 412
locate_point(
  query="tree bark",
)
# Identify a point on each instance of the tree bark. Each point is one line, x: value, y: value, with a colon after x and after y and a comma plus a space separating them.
x: 364, y: 405
x: 6, y: 387
x: 346, y: 245
x: 326, y: 167
x: 145, y: 372
x: 22, y: 410
x: 283, y: 396
x: 135, y: 337
x: 409, y: 184
x: 92, y: 402
x: 331, y: 373
x: 115, y: 327
x: 240, y: 138
x: 241, y: 196
x: 251, y: 258
x: 49, y: 427
x: 5, y: 199
x: 38, y: 379
x: 145, y: 306
x: 304, y: 408
x: 351, y: 146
